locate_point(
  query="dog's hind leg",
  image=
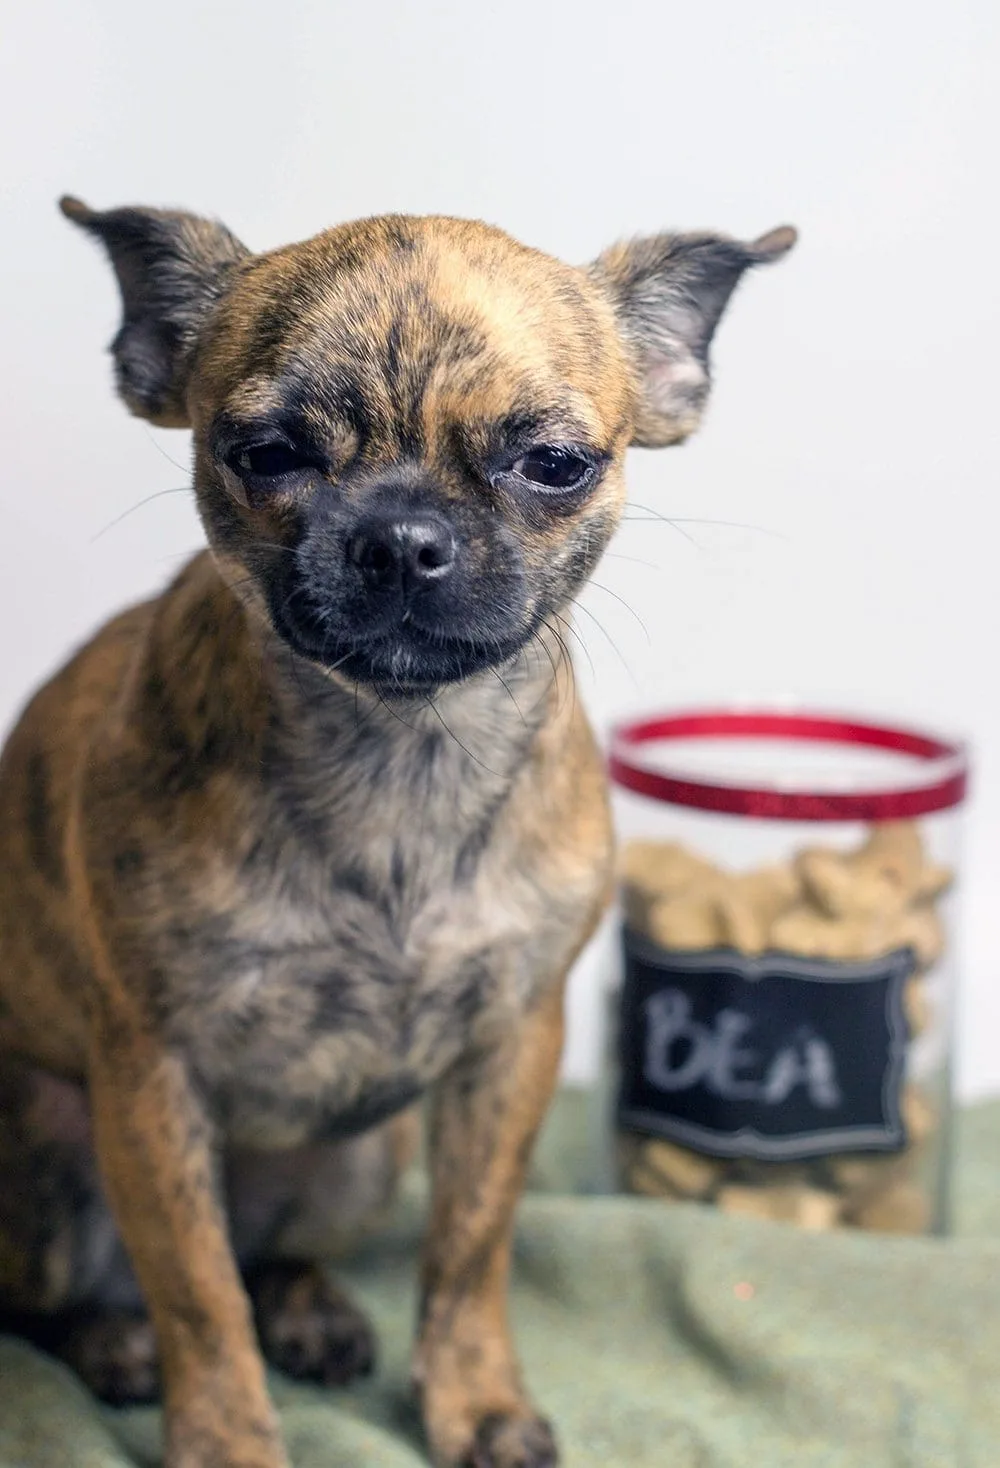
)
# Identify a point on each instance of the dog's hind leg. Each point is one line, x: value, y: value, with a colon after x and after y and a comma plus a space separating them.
x: 65, y: 1280
x: 292, y: 1211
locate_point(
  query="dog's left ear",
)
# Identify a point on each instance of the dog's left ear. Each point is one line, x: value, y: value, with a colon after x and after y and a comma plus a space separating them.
x: 669, y: 292
x: 172, y: 268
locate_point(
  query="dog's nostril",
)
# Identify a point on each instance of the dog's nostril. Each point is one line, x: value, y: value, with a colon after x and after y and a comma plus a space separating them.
x: 431, y: 557
x: 379, y: 558
x: 372, y: 554
x: 427, y: 547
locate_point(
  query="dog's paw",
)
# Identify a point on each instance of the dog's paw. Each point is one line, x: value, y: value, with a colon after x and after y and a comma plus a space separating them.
x: 308, y: 1328
x: 513, y: 1442
x: 115, y: 1354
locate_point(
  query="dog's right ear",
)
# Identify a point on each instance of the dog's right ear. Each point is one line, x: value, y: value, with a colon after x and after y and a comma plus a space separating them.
x: 172, y: 268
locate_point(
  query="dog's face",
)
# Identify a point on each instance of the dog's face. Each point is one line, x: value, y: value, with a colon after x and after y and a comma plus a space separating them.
x: 409, y: 433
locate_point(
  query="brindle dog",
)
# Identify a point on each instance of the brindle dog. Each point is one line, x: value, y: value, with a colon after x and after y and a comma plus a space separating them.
x: 321, y: 829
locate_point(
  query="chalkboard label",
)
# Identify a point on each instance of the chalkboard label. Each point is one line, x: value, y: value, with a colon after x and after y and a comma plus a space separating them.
x: 776, y: 1057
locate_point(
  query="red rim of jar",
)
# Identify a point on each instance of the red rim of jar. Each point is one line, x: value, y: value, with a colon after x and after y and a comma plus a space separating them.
x: 770, y: 803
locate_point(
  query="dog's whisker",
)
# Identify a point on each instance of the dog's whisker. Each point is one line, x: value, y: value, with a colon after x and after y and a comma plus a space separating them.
x: 572, y: 631
x: 395, y: 713
x: 184, y: 468
x: 288, y: 550
x: 630, y: 609
x: 176, y: 557
x: 464, y: 747
x: 610, y: 640
x: 677, y: 522
x: 541, y: 643
x: 653, y: 514
x: 662, y: 520
x: 633, y: 560
x: 510, y: 694
x: 565, y: 661
x: 160, y: 493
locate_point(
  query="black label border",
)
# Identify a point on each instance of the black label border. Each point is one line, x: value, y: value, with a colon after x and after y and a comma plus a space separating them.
x: 896, y: 966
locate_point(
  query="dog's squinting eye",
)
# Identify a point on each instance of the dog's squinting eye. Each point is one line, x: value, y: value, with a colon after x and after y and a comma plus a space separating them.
x: 553, y: 467
x: 268, y: 461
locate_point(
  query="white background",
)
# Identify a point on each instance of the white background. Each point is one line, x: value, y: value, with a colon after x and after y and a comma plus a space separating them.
x: 855, y: 418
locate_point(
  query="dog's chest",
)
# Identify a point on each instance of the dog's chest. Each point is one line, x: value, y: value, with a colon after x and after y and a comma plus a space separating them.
x: 337, y: 998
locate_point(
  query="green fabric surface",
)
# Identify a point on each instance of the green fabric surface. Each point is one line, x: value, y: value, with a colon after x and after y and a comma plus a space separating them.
x: 852, y: 1351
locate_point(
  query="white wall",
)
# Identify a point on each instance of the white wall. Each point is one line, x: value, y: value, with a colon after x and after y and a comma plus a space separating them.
x: 854, y: 422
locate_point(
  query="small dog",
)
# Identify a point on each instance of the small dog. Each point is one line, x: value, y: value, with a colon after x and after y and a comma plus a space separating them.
x: 321, y: 829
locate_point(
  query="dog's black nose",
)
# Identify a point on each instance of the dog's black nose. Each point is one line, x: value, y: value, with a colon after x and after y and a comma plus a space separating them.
x: 409, y: 550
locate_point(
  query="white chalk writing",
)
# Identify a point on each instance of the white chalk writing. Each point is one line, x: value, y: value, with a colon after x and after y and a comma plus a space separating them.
x: 682, y: 1052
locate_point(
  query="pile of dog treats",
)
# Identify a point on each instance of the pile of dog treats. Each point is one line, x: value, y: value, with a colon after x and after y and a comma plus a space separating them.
x: 823, y: 904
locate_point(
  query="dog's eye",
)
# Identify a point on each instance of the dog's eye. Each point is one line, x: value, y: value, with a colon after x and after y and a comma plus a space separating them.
x: 553, y: 467
x: 268, y: 460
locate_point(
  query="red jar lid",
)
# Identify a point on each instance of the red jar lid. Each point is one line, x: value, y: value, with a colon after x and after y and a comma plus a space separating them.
x: 944, y: 786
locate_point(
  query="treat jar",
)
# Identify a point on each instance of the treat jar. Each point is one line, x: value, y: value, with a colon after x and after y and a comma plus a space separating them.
x: 781, y: 1023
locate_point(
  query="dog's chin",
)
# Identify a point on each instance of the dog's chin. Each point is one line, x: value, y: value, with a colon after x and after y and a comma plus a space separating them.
x: 406, y: 661
x: 405, y: 667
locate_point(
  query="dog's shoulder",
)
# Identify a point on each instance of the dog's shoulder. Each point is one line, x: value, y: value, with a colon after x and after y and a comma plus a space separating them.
x: 561, y: 809
x: 43, y: 754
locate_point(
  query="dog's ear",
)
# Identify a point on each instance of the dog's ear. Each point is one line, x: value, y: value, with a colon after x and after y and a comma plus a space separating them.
x: 669, y: 292
x: 171, y: 269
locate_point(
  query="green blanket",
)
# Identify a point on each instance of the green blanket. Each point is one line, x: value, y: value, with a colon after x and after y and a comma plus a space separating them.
x: 654, y: 1337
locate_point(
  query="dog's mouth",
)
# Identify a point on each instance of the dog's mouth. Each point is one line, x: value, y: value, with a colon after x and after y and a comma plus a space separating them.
x: 410, y: 664
x: 405, y: 657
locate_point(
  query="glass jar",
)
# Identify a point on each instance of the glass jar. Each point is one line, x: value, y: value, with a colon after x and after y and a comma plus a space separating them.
x: 781, y: 1032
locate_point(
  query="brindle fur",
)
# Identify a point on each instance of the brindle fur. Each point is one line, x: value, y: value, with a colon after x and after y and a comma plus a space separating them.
x: 269, y: 879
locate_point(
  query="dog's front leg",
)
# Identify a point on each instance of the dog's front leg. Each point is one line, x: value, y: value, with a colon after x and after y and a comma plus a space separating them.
x: 157, y: 1153
x: 484, y: 1119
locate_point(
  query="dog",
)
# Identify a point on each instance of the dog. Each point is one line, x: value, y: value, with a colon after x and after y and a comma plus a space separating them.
x: 315, y: 836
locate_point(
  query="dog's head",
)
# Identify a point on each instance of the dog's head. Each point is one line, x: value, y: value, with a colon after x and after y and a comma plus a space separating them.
x: 409, y: 433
